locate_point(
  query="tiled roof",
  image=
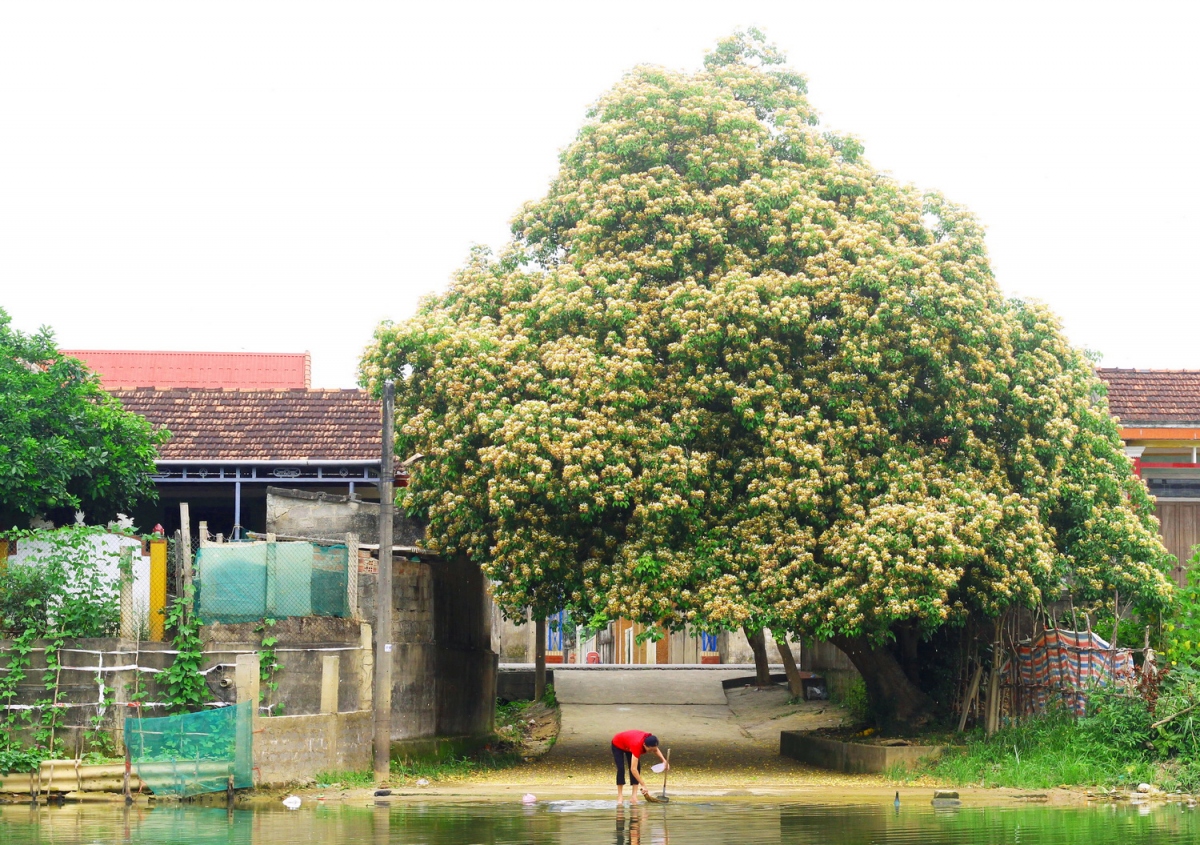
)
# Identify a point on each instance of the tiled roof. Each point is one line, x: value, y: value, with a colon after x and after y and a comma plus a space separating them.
x: 241, y: 370
x: 1153, y: 397
x: 282, y: 425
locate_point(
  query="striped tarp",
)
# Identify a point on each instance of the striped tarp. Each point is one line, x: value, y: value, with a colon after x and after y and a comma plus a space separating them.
x: 1065, y: 665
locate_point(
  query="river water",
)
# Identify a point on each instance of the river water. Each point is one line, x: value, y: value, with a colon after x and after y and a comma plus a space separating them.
x: 587, y: 822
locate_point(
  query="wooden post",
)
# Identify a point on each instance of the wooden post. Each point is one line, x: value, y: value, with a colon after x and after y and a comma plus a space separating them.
x: 158, y: 588
x: 202, y: 540
x: 185, y: 548
x: 128, y: 623
x: 383, y: 596
x: 272, y: 577
x: 972, y: 689
x: 352, y: 575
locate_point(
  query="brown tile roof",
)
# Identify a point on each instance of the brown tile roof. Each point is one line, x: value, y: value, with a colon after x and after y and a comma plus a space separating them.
x: 284, y: 425
x: 1153, y: 397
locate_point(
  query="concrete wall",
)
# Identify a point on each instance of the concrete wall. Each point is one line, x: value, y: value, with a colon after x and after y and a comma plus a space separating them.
x: 299, y: 513
x: 97, y: 680
x: 294, y: 748
x: 302, y: 645
x: 444, y: 667
x: 851, y: 757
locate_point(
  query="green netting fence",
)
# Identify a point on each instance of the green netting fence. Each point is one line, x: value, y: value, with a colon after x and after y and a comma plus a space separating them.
x: 248, y: 582
x: 193, y: 752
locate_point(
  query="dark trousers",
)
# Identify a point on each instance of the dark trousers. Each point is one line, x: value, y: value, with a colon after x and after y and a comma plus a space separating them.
x: 623, y: 760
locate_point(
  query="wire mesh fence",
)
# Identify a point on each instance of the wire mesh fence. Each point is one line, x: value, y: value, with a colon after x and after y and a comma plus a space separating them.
x: 194, y: 752
x: 252, y: 581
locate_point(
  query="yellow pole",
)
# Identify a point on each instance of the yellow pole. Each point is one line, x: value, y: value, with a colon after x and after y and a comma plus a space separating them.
x: 158, y: 588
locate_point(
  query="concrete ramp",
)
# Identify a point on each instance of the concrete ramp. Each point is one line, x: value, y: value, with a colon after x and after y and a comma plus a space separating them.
x: 643, y: 686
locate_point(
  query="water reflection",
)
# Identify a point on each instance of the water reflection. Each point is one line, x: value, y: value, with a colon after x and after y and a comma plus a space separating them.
x: 570, y: 822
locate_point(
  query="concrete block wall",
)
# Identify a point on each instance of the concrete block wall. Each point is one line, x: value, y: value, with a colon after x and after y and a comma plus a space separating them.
x: 300, y: 513
x: 92, y: 668
x: 294, y: 748
x: 444, y: 666
x: 303, y: 644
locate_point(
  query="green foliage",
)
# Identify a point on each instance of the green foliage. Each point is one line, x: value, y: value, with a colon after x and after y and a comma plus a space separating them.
x: 453, y: 768
x: 1181, y: 628
x: 58, y: 593
x: 19, y: 760
x: 268, y: 664
x: 1042, y: 753
x: 345, y: 779
x: 1121, y: 742
x: 25, y: 594
x: 182, y: 684
x: 64, y: 442
x: 855, y: 701
x: 726, y: 373
x: 549, y: 697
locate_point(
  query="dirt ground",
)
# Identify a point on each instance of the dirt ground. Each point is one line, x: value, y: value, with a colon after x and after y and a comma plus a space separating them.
x: 719, y: 751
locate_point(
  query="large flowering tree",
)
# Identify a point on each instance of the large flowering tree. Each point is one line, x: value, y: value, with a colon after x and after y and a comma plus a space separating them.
x: 727, y: 373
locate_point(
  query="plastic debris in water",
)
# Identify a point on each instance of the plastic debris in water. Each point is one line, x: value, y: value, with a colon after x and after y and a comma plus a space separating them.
x: 528, y: 798
x: 291, y: 802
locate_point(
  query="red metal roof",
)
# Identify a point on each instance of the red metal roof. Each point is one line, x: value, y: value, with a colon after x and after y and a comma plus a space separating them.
x: 1153, y: 397
x: 240, y: 370
x: 271, y: 425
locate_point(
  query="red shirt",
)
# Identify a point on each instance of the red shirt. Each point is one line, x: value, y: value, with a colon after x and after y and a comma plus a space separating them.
x: 632, y: 741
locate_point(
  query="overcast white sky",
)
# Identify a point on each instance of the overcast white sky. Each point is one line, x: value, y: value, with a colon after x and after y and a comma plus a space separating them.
x: 280, y: 176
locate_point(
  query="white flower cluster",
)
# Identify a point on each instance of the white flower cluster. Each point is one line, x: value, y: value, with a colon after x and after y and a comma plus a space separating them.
x: 728, y: 373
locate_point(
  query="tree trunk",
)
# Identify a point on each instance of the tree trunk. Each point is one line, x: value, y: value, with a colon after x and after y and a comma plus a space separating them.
x: 539, y: 659
x: 908, y: 639
x: 795, y: 683
x: 895, y: 701
x: 762, y: 668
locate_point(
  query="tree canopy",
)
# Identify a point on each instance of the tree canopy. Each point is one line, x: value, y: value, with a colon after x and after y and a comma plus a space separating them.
x: 64, y: 442
x: 728, y: 373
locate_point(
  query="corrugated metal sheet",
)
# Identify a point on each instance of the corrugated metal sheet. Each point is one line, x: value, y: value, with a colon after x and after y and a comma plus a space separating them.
x: 238, y: 370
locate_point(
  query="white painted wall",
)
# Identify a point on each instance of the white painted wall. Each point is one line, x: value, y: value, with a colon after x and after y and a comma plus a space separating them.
x: 105, y: 557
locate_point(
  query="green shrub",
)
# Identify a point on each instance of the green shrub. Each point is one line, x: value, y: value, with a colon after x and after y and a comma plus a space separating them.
x: 854, y: 700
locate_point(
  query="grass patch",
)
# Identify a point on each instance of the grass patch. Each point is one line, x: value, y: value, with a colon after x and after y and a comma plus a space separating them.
x: 453, y: 768
x: 1054, y: 750
x: 346, y: 780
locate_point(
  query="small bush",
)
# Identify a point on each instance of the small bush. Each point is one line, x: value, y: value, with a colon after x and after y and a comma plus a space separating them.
x: 855, y: 700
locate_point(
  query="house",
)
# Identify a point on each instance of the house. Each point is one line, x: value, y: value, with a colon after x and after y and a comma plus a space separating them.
x: 240, y: 422
x: 1159, y: 415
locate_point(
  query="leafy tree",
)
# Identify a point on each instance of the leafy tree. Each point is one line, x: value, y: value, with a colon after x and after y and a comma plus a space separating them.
x: 727, y: 373
x: 64, y: 442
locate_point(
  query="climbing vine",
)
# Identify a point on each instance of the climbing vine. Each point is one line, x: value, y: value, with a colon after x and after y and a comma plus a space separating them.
x: 182, y: 684
x: 268, y: 663
x: 57, y: 593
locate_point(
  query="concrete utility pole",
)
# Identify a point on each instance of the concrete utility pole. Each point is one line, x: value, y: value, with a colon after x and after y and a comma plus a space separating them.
x: 383, y: 596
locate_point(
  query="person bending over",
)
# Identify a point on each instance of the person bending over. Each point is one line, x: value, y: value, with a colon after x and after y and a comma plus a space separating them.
x: 627, y: 750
